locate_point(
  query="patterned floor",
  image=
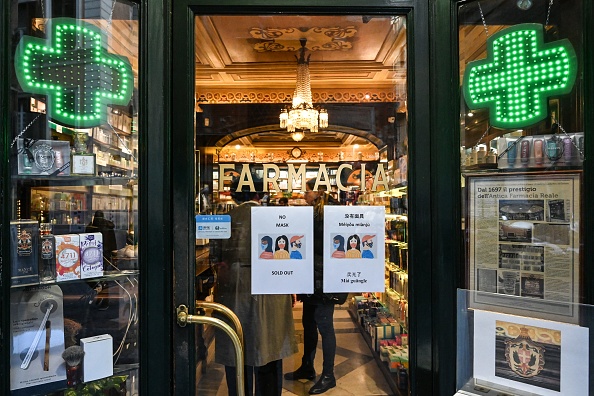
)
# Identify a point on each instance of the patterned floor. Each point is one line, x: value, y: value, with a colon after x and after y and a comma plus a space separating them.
x: 356, y: 371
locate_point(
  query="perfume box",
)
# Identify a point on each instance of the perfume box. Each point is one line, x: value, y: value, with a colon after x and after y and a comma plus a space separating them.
x: 43, y: 157
x: 24, y: 252
x: 67, y: 257
x: 98, y: 359
x: 91, y: 255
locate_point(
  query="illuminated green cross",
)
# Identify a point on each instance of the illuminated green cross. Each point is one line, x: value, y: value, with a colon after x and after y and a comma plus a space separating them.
x: 75, y: 71
x: 518, y: 75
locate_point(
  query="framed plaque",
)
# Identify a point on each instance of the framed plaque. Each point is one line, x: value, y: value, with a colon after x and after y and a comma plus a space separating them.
x: 83, y: 164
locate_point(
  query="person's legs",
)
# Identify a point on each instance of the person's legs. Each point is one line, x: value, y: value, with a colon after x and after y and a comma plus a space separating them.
x: 269, y: 380
x: 324, y: 317
x: 248, y: 380
x: 310, y: 333
x: 310, y: 342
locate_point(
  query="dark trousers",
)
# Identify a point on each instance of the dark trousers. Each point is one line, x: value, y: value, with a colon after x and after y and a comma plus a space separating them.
x: 268, y: 379
x: 319, y: 318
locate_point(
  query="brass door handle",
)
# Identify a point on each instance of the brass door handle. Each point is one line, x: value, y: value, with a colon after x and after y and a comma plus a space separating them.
x: 183, y: 318
x: 226, y: 311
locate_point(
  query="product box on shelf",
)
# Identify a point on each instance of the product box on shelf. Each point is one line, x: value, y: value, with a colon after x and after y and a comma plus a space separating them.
x: 541, y: 151
x: 91, y: 255
x: 43, y: 157
x: 24, y: 252
x: 98, y: 358
x: 67, y: 257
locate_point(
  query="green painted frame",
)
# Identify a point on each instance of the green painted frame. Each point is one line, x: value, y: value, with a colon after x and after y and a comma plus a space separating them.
x: 432, y: 360
x: 450, y: 39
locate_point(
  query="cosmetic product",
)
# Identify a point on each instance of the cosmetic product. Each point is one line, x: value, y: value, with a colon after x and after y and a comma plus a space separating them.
x: 511, y: 153
x: 24, y: 251
x: 524, y: 152
x: 567, y: 150
x: 491, y: 158
x: 73, y: 357
x: 538, y: 151
x: 98, y: 359
x: 67, y: 257
x: 481, y: 155
x: 473, y: 156
x: 91, y: 255
x: 47, y: 252
x: 554, y: 148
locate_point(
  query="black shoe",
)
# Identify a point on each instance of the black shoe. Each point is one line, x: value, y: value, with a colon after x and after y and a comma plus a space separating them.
x: 303, y: 372
x: 324, y: 383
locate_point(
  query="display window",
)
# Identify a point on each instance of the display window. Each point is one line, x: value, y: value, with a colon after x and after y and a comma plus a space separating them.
x: 521, y: 75
x: 73, y: 165
x: 301, y: 201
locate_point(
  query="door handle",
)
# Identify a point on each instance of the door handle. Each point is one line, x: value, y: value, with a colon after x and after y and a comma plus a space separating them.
x: 183, y: 318
x: 226, y: 311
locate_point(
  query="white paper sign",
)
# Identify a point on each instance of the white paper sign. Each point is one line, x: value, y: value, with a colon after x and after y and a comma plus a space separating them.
x: 531, y: 355
x: 354, y: 248
x: 282, y: 250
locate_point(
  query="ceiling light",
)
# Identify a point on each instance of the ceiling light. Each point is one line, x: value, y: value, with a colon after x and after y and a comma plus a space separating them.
x: 302, y: 115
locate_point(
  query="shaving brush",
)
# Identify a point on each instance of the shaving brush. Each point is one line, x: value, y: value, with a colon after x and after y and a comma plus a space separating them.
x: 73, y: 357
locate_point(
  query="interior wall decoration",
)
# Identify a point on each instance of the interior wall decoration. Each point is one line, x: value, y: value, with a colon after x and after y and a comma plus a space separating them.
x: 333, y: 38
x: 73, y: 68
x: 520, y: 72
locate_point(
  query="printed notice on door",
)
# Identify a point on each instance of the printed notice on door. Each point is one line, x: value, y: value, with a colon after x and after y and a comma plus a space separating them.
x: 354, y: 248
x: 282, y: 250
x: 524, y: 240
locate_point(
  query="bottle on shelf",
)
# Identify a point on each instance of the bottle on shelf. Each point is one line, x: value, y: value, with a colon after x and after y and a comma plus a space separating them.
x: 48, y: 244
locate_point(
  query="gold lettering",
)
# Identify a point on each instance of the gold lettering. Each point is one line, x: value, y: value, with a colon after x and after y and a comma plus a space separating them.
x: 376, y: 180
x: 222, y: 178
x: 322, y: 178
x: 294, y: 176
x: 341, y: 187
x: 273, y: 179
x: 246, y: 179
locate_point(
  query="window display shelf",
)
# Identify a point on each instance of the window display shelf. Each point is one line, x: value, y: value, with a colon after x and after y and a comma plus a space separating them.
x: 58, y: 181
x: 396, y: 379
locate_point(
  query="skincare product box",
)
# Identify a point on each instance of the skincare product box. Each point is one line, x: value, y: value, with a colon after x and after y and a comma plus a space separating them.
x: 91, y: 255
x: 24, y: 252
x: 98, y: 359
x: 67, y: 257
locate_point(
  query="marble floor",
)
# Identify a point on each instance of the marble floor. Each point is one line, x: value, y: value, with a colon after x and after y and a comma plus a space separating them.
x: 356, y: 371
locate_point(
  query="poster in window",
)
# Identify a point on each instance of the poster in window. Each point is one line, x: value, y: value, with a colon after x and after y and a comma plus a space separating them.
x: 282, y: 250
x: 523, y: 240
x: 354, y: 250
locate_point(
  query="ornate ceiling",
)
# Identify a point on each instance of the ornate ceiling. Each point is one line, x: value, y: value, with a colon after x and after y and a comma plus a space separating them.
x: 252, y: 59
x: 355, y: 60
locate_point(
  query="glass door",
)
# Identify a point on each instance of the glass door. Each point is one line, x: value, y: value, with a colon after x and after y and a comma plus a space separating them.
x: 73, y: 197
x: 301, y: 153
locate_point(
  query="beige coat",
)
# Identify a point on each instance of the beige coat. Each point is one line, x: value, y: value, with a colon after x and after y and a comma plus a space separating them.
x: 267, y: 320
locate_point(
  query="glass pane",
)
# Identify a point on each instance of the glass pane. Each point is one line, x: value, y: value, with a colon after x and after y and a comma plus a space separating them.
x: 74, y: 194
x: 522, y: 149
x: 287, y: 104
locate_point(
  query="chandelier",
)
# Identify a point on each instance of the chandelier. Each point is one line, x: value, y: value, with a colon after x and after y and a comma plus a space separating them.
x: 302, y: 115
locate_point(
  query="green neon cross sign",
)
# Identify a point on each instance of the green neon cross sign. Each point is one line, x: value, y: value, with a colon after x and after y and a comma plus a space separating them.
x: 518, y: 75
x: 75, y: 71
